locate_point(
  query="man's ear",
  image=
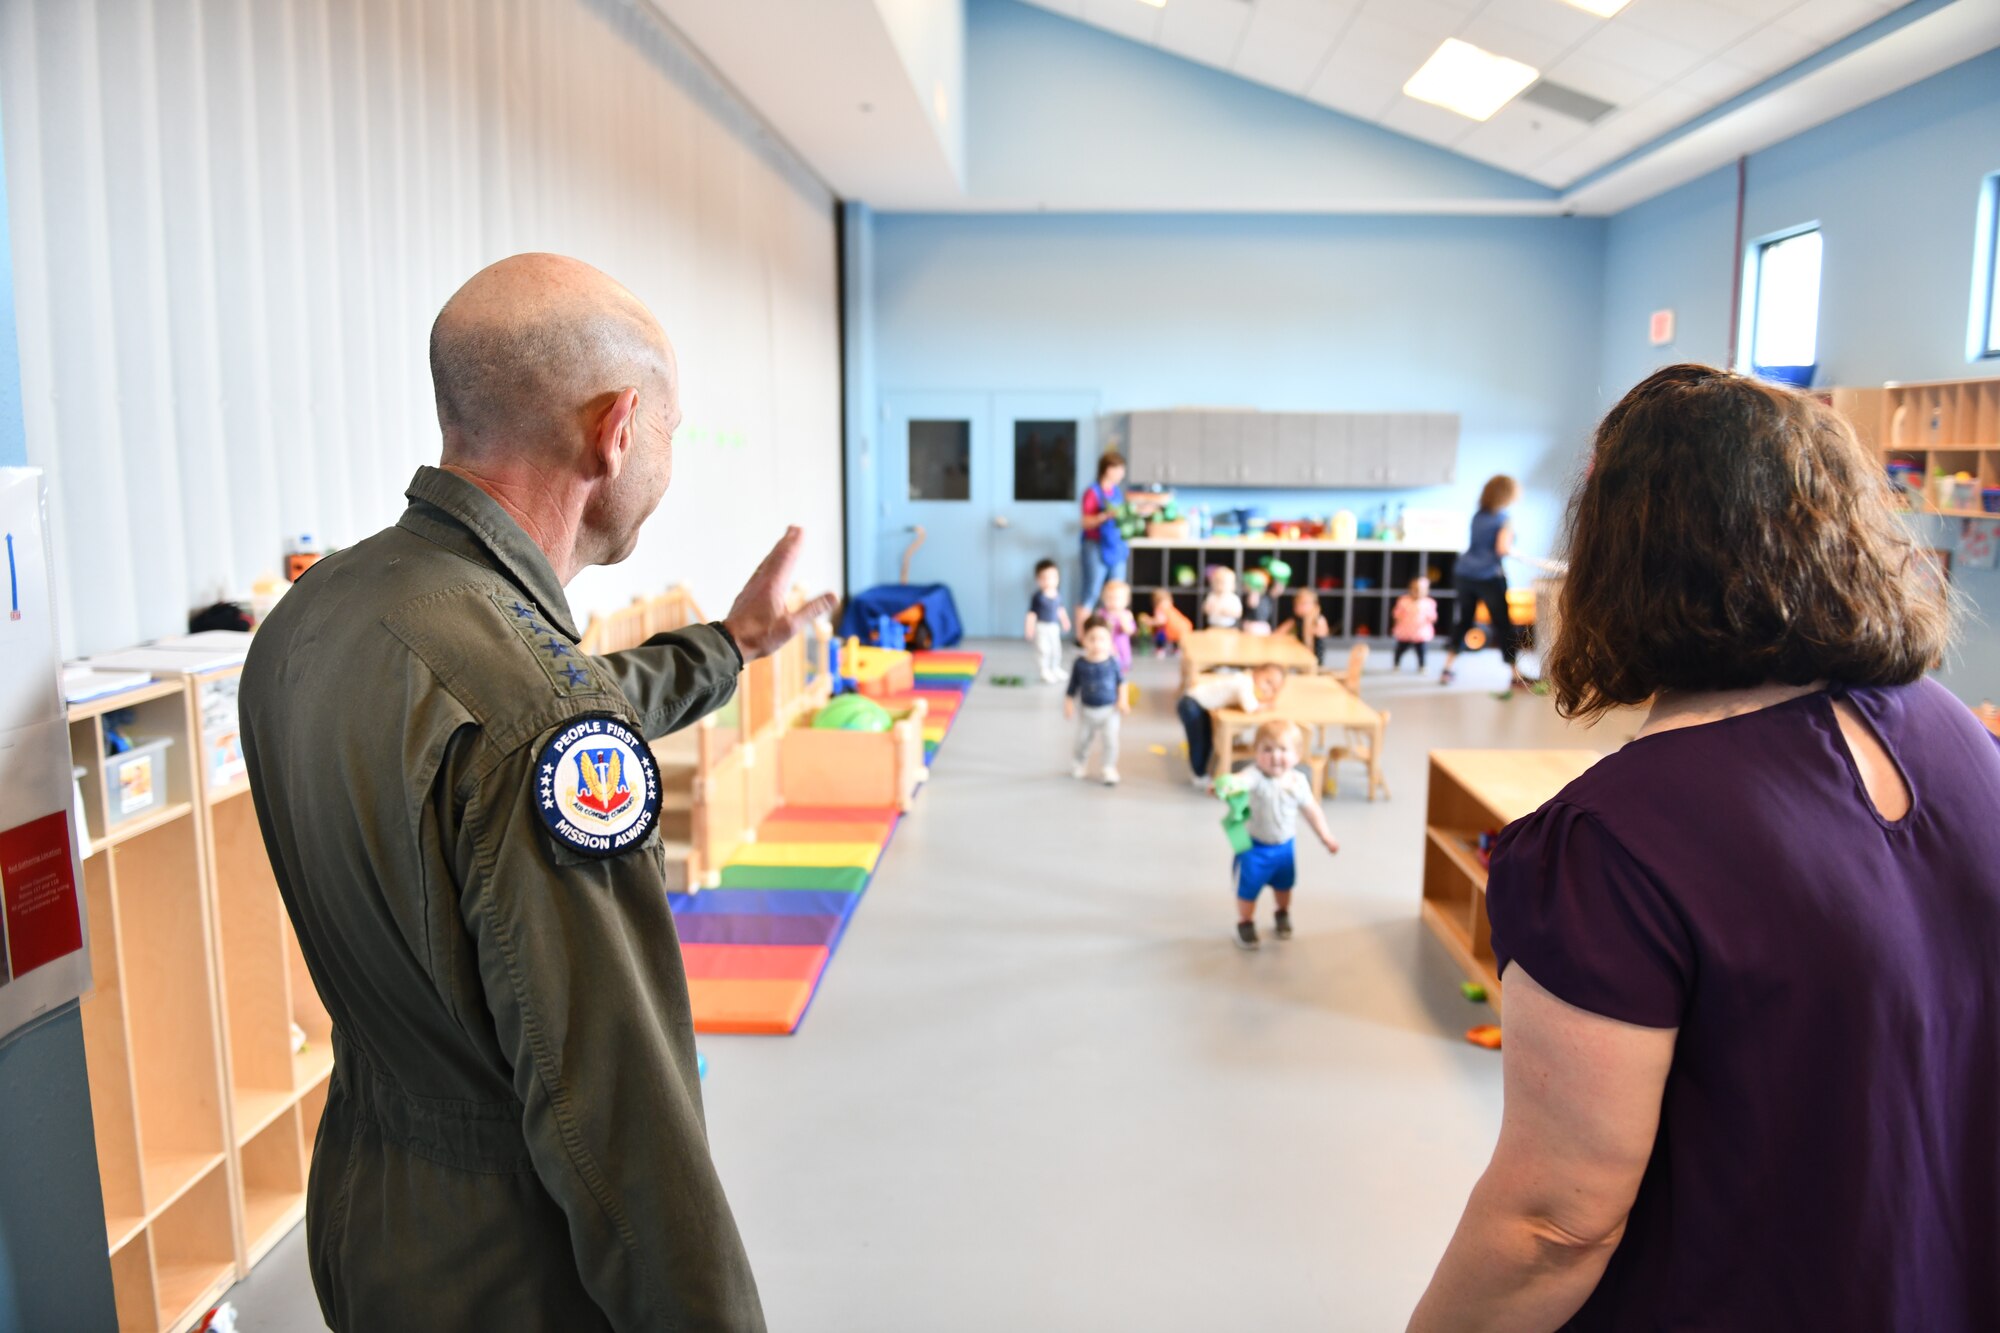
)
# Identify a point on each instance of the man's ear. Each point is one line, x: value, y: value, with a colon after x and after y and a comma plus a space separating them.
x: 617, y: 433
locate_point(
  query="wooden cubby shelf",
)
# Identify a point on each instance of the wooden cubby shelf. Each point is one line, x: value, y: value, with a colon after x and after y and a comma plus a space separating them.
x: 1473, y: 792
x: 203, y: 1109
x: 1948, y: 426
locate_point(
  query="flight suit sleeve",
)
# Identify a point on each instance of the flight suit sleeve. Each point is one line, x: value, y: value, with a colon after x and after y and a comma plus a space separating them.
x: 582, y: 973
x: 676, y: 678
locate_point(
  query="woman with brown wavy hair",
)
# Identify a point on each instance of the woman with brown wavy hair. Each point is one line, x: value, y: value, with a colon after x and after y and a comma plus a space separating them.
x: 1752, y: 959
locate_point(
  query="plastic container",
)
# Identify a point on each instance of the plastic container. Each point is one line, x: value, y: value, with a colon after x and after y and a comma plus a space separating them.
x: 136, y: 781
x: 1990, y: 499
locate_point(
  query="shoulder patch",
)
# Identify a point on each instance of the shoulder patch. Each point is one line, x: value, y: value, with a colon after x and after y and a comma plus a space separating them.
x: 597, y: 787
x: 561, y: 661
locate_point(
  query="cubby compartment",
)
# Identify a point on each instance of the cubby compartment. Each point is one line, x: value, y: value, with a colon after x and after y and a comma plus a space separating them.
x: 170, y: 1008
x: 114, y: 1115
x: 274, y: 1183
x: 194, y: 1252
x: 251, y: 931
x: 137, y: 1303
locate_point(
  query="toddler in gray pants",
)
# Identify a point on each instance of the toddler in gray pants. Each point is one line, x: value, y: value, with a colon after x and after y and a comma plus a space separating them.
x: 1097, y: 689
x: 1048, y: 621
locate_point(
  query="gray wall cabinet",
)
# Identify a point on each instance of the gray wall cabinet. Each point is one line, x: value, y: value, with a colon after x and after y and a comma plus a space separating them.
x: 1325, y: 450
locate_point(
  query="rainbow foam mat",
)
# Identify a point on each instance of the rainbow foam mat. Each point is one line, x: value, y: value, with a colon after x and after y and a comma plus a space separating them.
x: 757, y: 948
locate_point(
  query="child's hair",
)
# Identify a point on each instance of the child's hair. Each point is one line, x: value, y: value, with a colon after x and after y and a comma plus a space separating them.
x: 1044, y: 566
x: 1304, y: 595
x: 1412, y: 589
x: 1266, y: 671
x: 1162, y: 595
x: 1217, y: 571
x: 1096, y: 622
x: 1278, y: 732
x: 1115, y: 585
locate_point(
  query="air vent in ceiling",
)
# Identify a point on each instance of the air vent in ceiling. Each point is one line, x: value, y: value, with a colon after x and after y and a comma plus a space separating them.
x: 1567, y: 102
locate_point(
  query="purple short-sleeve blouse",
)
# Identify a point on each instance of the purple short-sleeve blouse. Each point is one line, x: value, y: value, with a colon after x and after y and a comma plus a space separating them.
x: 1829, y: 1146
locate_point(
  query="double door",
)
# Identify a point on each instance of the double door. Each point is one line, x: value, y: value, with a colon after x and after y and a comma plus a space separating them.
x: 994, y: 479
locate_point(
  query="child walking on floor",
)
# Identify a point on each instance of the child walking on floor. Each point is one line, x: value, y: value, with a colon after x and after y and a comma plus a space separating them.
x: 1415, y: 621
x: 1278, y: 793
x: 1048, y: 621
x: 1114, y: 608
x: 1098, y: 687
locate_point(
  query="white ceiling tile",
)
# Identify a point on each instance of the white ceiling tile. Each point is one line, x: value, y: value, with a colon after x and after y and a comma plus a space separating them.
x: 1073, y: 8
x: 1661, y: 58
x: 1280, y: 52
x: 1759, y: 9
x: 1421, y: 120
x: 1827, y: 21
x: 1770, y: 49
x: 1505, y: 39
x: 1701, y: 24
x: 1396, y: 42
x: 1357, y: 82
x: 1546, y: 18
x: 1328, y: 16
x: 1714, y: 82
x: 1425, y: 15
x: 1204, y: 30
x: 1127, y: 18
x: 1602, y: 79
x: 1520, y: 136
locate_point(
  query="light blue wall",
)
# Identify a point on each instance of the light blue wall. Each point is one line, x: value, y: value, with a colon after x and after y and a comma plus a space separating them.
x: 1493, y: 318
x: 54, y: 1272
x: 1894, y: 187
x: 859, y: 391
x: 1062, y: 110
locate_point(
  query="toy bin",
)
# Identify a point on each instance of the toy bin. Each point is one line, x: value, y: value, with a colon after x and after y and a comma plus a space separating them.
x: 136, y: 781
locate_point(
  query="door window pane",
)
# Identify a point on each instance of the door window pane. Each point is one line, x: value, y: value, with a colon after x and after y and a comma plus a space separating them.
x: 1044, y: 460
x: 940, y: 460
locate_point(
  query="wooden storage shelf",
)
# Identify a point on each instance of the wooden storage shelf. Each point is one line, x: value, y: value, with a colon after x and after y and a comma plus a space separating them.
x: 1354, y: 614
x: 203, y: 1114
x: 1471, y: 792
x: 1948, y: 426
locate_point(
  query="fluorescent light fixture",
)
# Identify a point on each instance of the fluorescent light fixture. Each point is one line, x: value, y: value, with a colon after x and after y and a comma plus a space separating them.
x: 1157, y: 4
x: 1470, y: 80
x: 1604, y: 9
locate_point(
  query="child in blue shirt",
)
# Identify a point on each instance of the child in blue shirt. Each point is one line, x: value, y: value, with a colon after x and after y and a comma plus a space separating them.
x: 1279, y: 792
x: 1097, y: 686
x: 1048, y: 621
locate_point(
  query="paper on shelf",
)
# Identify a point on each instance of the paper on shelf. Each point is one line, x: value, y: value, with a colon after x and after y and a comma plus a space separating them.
x: 82, y: 683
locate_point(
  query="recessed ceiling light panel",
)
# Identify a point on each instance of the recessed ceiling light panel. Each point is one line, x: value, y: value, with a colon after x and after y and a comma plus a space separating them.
x: 1469, y: 79
x: 1604, y: 9
x: 1157, y: 4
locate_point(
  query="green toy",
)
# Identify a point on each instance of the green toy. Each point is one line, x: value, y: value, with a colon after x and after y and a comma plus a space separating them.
x: 1256, y: 580
x: 1010, y: 681
x: 1473, y: 991
x: 853, y: 712
x: 1234, y: 788
x: 1184, y: 576
x: 1281, y: 573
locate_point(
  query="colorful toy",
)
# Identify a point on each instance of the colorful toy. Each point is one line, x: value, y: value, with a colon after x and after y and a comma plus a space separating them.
x: 1011, y: 682
x: 1256, y: 580
x: 853, y: 712
x: 878, y: 671
x: 1473, y: 991
x: 1486, y: 1034
x: 1281, y: 573
x: 1184, y: 576
x: 1234, y: 789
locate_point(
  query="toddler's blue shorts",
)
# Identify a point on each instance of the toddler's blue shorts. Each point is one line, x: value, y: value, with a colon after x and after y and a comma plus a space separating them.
x: 1265, y: 864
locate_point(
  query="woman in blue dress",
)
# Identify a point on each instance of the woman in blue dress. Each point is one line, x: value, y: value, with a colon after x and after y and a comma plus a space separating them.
x: 1481, y: 579
x: 1104, y: 549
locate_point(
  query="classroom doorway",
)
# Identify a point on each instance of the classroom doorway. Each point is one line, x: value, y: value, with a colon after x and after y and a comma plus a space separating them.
x: 994, y: 480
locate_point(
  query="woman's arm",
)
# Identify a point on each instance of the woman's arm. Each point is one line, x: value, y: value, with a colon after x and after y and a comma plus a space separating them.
x: 1582, y: 1108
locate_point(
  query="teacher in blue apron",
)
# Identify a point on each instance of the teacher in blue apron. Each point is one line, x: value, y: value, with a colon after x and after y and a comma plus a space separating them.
x: 1104, y: 549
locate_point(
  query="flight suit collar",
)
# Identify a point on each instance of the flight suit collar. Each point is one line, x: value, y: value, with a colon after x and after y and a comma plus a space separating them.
x: 481, y: 530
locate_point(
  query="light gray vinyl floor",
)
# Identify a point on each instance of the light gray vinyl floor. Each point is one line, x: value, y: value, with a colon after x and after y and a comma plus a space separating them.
x: 1041, y: 1089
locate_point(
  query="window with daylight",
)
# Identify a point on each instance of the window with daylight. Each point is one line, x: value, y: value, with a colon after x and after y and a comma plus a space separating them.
x: 1784, y: 301
x: 1986, y: 297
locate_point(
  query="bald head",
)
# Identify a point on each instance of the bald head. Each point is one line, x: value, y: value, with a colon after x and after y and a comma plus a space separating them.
x: 528, y: 350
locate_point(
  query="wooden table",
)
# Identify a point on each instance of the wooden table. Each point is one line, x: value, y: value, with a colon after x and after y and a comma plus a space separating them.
x: 1312, y: 702
x: 1207, y: 649
x: 1474, y: 792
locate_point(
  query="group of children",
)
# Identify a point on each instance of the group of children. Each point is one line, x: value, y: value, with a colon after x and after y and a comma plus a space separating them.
x: 1275, y: 792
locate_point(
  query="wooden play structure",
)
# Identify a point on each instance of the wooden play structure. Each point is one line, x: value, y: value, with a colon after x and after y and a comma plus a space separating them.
x: 721, y: 777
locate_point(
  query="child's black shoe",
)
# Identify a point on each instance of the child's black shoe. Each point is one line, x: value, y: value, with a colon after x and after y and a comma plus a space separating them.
x: 1282, y: 925
x: 1246, y: 935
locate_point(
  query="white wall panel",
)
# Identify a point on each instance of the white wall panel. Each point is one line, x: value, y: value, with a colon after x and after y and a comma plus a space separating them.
x: 234, y: 220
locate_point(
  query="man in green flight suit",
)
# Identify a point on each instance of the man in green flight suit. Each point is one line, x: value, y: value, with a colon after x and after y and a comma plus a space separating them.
x: 460, y: 808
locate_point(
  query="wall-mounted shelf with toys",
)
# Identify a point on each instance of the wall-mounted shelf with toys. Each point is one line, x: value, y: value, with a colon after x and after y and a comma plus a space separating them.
x: 1940, y: 441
